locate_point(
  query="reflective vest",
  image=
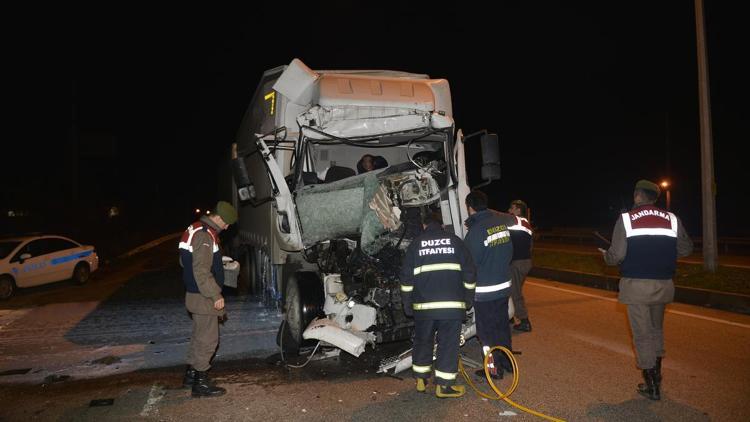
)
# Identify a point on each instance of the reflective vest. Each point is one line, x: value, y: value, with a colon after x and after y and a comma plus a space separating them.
x: 186, y: 256
x: 521, y: 236
x: 651, y: 235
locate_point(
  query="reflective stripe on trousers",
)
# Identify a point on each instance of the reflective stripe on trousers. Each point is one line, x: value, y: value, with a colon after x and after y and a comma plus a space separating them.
x: 445, y: 375
x: 421, y: 369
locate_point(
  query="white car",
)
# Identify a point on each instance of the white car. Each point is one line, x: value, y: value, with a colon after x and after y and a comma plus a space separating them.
x: 34, y: 260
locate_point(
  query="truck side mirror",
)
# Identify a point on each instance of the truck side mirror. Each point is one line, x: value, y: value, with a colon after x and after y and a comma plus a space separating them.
x: 490, y: 157
x: 245, y: 188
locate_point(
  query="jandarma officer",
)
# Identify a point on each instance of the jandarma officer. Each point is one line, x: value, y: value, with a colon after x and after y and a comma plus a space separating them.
x: 646, y: 243
x: 203, y: 275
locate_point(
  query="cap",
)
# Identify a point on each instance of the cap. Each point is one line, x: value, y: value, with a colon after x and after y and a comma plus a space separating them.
x: 518, y: 203
x: 648, y: 185
x: 226, y: 211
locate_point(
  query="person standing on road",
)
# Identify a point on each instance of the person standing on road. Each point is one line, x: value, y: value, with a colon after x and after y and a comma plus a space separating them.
x: 521, y: 236
x: 203, y: 275
x: 489, y: 241
x: 437, y: 287
x: 646, y: 243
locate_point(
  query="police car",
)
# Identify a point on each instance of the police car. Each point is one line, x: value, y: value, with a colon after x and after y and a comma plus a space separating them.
x: 34, y: 260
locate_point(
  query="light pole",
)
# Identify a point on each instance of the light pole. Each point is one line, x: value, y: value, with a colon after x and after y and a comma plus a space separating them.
x: 665, y: 185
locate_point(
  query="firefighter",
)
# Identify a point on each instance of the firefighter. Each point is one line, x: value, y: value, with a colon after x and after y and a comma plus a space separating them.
x: 646, y: 243
x: 489, y: 241
x: 203, y: 275
x: 437, y: 287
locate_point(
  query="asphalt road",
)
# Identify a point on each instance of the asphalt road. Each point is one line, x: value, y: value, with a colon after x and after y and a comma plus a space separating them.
x: 123, y: 337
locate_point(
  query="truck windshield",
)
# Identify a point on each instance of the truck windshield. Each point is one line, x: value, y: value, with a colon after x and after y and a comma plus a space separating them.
x: 336, y: 160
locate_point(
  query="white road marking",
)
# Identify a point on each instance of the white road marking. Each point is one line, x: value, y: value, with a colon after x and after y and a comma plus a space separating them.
x: 156, y: 394
x: 610, y: 299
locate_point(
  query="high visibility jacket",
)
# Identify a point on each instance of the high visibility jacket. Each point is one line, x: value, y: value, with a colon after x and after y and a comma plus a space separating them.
x: 186, y: 256
x: 521, y: 235
x: 437, y: 276
x: 491, y: 249
x: 651, y: 235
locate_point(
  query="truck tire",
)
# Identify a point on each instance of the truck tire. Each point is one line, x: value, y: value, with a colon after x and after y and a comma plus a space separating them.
x: 246, y: 278
x: 303, y: 302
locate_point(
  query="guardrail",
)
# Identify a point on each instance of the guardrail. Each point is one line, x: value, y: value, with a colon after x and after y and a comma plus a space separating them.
x: 726, y: 245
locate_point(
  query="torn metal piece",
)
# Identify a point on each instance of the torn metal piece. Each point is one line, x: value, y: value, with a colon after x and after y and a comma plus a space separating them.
x: 386, y: 211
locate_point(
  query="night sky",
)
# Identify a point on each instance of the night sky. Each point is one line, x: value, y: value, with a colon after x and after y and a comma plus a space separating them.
x: 586, y: 99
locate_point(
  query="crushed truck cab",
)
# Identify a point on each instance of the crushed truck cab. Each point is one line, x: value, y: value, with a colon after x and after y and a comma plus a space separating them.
x: 331, y: 172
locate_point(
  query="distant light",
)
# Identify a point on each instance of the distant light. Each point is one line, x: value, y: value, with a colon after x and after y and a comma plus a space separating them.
x: 665, y: 184
x: 113, y: 212
x: 207, y: 211
x: 17, y: 213
x: 197, y: 210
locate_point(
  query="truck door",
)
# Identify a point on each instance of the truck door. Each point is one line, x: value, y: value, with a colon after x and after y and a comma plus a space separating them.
x: 457, y: 195
x: 267, y: 210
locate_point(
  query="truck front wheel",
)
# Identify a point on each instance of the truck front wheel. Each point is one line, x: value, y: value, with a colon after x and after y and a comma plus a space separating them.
x: 303, y: 302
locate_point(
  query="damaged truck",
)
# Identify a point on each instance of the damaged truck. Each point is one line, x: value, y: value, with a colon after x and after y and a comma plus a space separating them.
x: 331, y: 171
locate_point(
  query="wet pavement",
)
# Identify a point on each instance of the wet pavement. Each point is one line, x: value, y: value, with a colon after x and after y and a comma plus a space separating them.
x: 114, y: 349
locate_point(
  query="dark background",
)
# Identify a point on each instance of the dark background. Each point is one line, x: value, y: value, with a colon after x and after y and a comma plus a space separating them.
x: 587, y: 99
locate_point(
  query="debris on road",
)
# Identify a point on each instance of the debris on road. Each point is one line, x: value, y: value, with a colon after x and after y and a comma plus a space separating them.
x: 107, y: 360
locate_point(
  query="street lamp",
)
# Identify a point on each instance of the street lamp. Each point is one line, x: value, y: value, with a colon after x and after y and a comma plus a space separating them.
x: 665, y: 185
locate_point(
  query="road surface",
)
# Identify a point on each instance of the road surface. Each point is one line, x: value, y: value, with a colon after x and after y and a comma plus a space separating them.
x: 123, y: 338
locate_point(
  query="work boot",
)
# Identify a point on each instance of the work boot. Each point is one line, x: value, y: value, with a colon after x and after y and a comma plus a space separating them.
x: 497, y: 376
x: 189, y: 378
x: 421, y: 385
x: 649, y: 389
x: 658, y: 371
x: 524, y: 325
x: 449, y: 391
x: 203, y: 387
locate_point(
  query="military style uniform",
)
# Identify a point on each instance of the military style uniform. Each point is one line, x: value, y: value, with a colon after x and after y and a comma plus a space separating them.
x: 646, y: 243
x: 203, y: 276
x: 489, y: 241
x: 437, y: 287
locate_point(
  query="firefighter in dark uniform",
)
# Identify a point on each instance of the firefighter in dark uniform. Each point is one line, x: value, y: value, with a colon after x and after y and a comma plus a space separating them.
x: 646, y: 243
x: 203, y: 275
x: 489, y: 241
x: 437, y: 287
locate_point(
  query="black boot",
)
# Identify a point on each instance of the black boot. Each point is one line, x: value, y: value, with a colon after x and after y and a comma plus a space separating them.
x: 203, y: 387
x: 480, y: 373
x: 524, y: 325
x: 649, y: 389
x: 189, y: 379
x: 658, y: 371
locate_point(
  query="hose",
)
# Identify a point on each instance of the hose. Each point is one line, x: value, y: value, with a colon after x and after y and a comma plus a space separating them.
x: 500, y: 395
x: 308, y: 359
x: 281, y: 349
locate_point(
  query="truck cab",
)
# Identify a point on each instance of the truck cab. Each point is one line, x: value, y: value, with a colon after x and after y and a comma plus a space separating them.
x: 332, y: 170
